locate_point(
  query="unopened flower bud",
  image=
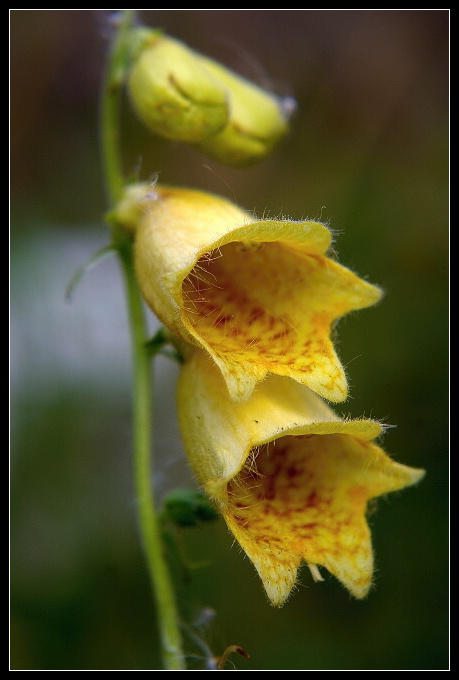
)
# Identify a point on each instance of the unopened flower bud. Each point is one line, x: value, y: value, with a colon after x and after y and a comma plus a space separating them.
x: 173, y: 93
x: 257, y: 121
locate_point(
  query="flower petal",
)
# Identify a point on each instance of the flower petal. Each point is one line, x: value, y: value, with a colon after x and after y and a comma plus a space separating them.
x: 291, y: 479
x: 266, y: 307
x: 260, y: 296
x: 304, y: 498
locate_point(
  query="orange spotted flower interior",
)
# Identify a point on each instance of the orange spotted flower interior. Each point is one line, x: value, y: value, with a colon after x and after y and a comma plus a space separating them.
x: 269, y: 307
x: 304, y: 499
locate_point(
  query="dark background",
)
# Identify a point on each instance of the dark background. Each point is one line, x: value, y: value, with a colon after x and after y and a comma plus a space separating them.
x: 368, y: 152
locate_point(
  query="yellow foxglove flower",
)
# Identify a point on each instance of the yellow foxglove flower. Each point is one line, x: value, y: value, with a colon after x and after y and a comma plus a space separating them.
x: 172, y: 92
x: 260, y: 296
x: 290, y: 478
x: 257, y: 121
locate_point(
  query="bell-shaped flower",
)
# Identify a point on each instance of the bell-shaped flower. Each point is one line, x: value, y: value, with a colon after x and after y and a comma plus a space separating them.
x: 259, y: 295
x: 290, y: 478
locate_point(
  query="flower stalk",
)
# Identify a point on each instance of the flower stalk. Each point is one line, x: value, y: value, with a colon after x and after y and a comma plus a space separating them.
x: 161, y: 583
x: 250, y: 306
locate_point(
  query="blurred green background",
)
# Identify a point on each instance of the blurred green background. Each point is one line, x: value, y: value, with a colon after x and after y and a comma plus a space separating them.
x: 368, y: 152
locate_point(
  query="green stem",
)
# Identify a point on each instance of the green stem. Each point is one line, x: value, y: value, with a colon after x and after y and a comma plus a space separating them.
x: 110, y: 108
x: 167, y: 614
x: 150, y: 528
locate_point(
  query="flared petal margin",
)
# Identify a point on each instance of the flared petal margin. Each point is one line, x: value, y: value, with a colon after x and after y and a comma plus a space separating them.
x: 260, y: 296
x: 290, y: 478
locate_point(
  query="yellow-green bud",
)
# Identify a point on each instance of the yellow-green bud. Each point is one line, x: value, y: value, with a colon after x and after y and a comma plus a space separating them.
x: 173, y: 93
x: 257, y: 121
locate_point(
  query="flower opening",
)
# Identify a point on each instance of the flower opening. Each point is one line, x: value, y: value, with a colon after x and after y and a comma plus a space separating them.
x: 260, y: 296
x: 290, y: 478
